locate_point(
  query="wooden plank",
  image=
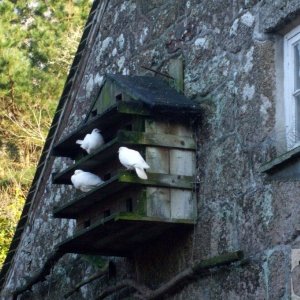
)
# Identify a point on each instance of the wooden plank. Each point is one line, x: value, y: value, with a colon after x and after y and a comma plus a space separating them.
x: 67, y: 146
x: 161, y: 180
x: 133, y: 108
x: 119, y: 234
x: 158, y: 202
x: 89, y: 162
x: 158, y: 160
x: 119, y: 182
x: 182, y: 162
x: 107, y: 97
x: 119, y: 113
x: 123, y: 200
x: 75, y: 207
x: 182, y: 204
x: 181, y: 130
x: 157, y: 139
x: 279, y: 161
x: 157, y: 126
x: 132, y: 217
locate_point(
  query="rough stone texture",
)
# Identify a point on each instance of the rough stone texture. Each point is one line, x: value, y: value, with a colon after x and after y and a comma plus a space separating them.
x: 230, y: 65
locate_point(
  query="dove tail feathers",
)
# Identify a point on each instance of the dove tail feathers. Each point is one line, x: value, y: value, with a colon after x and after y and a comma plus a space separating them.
x: 141, y: 173
x: 79, y: 142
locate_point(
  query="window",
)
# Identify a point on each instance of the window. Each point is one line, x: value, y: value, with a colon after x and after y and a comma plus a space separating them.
x: 292, y: 87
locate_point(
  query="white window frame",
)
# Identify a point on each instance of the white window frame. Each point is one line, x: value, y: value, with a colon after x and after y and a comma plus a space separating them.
x: 290, y: 39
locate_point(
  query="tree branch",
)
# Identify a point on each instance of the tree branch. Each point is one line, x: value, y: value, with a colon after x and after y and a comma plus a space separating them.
x: 123, y: 284
x: 105, y: 270
x: 199, y: 268
x: 178, y: 281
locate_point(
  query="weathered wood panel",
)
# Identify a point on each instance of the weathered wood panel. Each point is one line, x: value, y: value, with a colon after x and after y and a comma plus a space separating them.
x: 158, y: 160
x: 119, y: 202
x: 107, y: 97
x: 182, y: 204
x: 154, y: 126
x: 159, y: 180
x: 158, y: 202
x: 182, y: 162
x: 180, y: 130
x: 156, y: 139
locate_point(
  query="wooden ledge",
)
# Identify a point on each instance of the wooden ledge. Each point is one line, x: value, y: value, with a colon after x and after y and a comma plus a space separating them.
x: 120, y: 234
x: 281, y: 161
x: 118, y: 113
x: 123, y: 179
x: 109, y: 150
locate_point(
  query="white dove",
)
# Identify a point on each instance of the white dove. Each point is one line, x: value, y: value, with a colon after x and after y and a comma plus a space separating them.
x: 85, y: 181
x: 92, y: 141
x: 131, y: 160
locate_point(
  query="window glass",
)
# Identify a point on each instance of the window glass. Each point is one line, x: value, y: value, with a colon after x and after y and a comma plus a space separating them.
x: 292, y: 87
x: 297, y: 119
x: 297, y: 66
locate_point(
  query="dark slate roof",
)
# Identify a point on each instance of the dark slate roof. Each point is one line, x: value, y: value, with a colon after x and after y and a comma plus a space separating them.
x: 155, y: 93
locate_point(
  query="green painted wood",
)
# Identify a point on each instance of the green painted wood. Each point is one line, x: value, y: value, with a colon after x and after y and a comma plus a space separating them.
x: 156, y: 139
x: 125, y: 216
x: 156, y: 179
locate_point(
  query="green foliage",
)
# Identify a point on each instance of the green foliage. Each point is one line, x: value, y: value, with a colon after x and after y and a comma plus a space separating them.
x: 38, y: 40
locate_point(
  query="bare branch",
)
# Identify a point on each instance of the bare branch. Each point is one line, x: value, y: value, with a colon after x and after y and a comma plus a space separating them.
x: 99, y: 274
x: 178, y: 281
x: 123, y: 284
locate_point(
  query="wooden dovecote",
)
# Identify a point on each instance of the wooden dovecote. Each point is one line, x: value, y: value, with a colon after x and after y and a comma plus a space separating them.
x: 145, y: 114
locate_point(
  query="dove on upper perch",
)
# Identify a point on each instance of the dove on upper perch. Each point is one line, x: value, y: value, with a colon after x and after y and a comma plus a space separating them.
x: 85, y: 181
x: 132, y: 159
x: 92, y: 141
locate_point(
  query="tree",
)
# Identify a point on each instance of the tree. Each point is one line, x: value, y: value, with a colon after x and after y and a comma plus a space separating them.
x: 38, y: 40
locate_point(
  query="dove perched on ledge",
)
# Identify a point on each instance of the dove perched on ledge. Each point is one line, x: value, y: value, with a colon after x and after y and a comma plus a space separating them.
x: 132, y: 160
x: 92, y: 141
x: 85, y: 181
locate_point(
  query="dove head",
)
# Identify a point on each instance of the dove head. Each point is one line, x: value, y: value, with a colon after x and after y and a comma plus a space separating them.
x: 78, y: 171
x: 96, y: 130
x: 122, y: 149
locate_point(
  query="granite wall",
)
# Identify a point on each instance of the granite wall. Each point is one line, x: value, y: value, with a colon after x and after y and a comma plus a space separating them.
x: 231, y: 65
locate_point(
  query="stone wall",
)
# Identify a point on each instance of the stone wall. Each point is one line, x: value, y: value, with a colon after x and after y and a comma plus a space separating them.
x: 229, y: 52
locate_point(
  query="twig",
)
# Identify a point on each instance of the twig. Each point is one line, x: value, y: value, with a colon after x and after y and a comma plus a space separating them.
x: 105, y: 270
x: 157, y: 72
x: 199, y: 268
x: 123, y: 284
x: 177, y: 282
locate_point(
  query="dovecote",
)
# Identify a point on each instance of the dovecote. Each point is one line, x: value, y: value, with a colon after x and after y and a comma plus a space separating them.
x: 145, y: 114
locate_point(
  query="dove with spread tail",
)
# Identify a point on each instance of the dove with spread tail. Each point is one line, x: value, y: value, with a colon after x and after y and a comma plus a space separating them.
x: 92, y: 141
x: 132, y: 160
x: 85, y: 181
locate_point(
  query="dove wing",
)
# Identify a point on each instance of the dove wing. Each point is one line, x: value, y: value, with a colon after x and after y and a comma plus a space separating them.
x: 138, y: 161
